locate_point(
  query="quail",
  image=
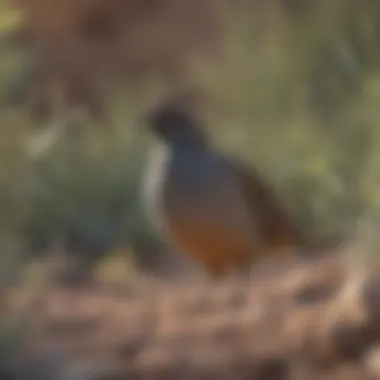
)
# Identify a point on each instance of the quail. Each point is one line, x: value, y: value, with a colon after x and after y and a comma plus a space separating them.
x: 208, y: 205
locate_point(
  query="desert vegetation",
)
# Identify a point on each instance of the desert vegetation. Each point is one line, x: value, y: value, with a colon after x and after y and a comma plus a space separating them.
x: 290, y: 87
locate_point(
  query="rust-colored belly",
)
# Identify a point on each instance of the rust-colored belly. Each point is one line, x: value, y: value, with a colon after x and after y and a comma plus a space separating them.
x: 218, y: 248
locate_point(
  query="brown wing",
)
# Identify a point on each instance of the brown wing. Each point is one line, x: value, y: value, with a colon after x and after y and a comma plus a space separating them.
x: 277, y: 227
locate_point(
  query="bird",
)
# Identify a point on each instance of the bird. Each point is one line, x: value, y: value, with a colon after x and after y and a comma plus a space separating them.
x: 207, y: 204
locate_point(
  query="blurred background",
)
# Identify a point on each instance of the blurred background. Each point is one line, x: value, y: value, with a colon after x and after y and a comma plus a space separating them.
x: 295, y: 91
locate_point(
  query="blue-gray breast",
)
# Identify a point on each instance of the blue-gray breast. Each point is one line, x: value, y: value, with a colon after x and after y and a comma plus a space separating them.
x: 209, y: 206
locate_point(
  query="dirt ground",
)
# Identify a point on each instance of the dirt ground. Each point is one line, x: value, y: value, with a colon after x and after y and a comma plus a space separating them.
x: 312, y: 321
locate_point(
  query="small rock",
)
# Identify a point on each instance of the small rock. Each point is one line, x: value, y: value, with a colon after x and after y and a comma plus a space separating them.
x: 313, y: 293
x: 372, y: 362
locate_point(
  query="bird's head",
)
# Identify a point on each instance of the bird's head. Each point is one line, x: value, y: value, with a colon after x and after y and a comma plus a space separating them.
x: 175, y: 122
